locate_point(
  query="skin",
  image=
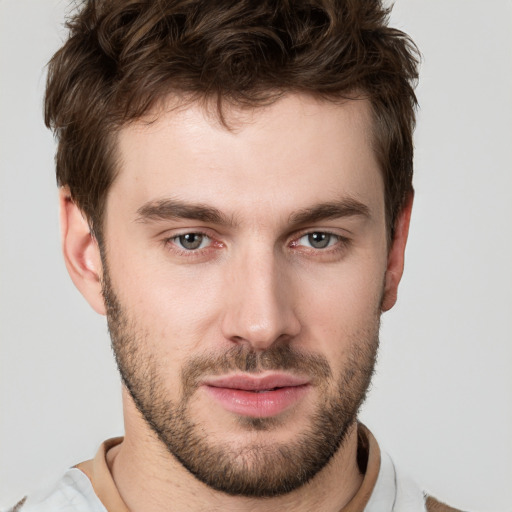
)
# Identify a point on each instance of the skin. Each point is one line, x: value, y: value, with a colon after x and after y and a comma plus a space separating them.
x: 274, y: 162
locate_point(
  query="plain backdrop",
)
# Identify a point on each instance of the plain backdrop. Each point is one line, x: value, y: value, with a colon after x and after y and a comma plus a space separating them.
x: 441, y: 399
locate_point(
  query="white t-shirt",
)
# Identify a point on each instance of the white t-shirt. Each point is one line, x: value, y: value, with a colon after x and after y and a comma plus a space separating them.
x: 385, y: 488
x: 74, y: 493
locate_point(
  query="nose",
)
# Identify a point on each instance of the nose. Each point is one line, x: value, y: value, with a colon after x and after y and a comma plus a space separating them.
x: 260, y: 302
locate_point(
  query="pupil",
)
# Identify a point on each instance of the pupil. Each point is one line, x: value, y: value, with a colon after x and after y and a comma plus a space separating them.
x: 319, y: 240
x: 191, y: 240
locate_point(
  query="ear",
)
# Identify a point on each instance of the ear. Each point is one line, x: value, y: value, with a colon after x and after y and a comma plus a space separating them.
x: 396, y: 255
x: 81, y: 252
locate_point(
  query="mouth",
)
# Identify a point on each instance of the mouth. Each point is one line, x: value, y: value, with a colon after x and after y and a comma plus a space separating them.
x: 257, y: 396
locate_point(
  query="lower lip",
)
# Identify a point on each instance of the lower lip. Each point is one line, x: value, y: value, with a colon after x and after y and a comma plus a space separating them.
x: 259, y: 405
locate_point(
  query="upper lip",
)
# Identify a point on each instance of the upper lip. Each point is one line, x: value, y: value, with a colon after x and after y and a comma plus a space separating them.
x: 255, y: 382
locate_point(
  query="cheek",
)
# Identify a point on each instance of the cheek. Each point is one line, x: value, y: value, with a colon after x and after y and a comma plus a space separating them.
x: 173, y: 307
x: 342, y: 306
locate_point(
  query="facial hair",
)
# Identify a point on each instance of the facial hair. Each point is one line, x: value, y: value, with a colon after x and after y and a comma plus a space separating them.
x: 257, y: 469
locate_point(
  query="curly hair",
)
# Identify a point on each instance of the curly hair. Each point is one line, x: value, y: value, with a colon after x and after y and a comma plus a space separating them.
x: 122, y: 57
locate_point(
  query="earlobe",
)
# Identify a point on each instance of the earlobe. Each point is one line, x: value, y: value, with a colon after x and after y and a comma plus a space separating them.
x: 81, y: 252
x: 396, y: 256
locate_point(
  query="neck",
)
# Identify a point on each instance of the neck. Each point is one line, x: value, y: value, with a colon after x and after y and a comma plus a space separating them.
x: 149, y: 478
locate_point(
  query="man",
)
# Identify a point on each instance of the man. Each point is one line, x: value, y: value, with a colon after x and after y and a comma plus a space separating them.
x: 236, y: 189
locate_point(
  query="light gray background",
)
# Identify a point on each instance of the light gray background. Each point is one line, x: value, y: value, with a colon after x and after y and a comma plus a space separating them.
x: 441, y: 399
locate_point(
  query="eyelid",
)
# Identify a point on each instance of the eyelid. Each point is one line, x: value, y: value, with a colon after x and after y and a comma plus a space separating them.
x: 342, y: 241
x: 328, y: 231
x: 169, y: 243
x: 331, y: 240
x: 204, y: 239
x: 330, y: 253
x: 173, y: 236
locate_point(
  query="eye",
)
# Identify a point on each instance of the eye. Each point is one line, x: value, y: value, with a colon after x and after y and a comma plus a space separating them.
x: 191, y: 241
x: 318, y: 240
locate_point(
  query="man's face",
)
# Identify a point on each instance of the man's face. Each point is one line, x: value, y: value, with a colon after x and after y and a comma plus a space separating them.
x: 244, y: 285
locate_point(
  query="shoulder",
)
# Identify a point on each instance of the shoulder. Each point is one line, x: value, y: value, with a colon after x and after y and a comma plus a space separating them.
x: 72, y: 493
x: 432, y: 505
x: 18, y: 505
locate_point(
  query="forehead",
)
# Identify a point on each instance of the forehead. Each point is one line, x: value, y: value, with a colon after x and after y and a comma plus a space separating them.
x: 296, y: 151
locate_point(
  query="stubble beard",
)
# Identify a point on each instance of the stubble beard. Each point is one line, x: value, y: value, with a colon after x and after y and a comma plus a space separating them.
x: 257, y: 469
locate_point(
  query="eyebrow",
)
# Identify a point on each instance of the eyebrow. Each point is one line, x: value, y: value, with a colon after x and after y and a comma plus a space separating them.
x: 171, y: 209
x: 347, y: 207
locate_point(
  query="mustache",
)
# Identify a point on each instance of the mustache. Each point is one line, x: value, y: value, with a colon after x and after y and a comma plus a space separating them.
x: 241, y: 358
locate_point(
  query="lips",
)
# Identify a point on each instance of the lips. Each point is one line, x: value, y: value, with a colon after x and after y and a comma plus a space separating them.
x: 257, y: 396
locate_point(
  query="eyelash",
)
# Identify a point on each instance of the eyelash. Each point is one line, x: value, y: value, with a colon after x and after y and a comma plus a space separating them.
x: 171, y: 244
x: 340, y: 244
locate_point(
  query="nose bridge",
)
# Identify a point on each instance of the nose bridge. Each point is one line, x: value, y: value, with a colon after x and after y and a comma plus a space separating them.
x: 260, y: 307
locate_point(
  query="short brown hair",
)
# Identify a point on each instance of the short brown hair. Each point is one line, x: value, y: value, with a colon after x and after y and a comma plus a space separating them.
x: 124, y: 56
